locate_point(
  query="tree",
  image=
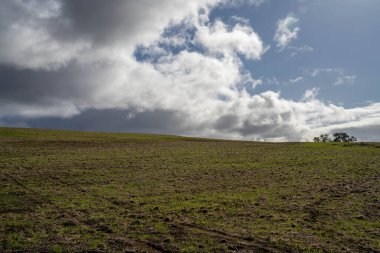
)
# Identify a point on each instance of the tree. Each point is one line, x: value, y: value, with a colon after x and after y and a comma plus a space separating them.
x: 338, y: 137
x: 324, y: 138
x: 353, y: 139
x: 341, y: 137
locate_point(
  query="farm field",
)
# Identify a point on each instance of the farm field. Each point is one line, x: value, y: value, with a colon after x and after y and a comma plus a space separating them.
x: 68, y: 191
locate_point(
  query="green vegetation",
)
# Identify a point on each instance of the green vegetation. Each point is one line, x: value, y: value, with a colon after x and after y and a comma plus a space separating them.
x: 64, y: 191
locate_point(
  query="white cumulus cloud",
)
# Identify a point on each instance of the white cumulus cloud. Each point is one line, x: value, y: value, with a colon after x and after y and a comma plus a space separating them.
x: 287, y: 31
x: 219, y: 38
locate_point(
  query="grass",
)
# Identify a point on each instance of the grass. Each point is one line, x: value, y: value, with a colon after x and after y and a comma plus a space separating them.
x: 64, y: 191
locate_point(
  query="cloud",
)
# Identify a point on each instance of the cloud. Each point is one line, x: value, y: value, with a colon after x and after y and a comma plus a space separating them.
x: 362, y: 122
x: 310, y: 94
x: 341, y: 77
x: 218, y: 38
x: 51, y: 33
x: 123, y: 66
x: 270, y: 80
x: 27, y: 38
x: 287, y: 31
x: 236, y: 3
x: 302, y: 49
x: 256, y: 83
x: 296, y: 80
x: 318, y: 71
x: 305, y: 48
x: 346, y: 79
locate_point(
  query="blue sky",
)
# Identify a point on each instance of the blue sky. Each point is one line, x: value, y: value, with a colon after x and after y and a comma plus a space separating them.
x: 343, y: 33
x: 238, y: 69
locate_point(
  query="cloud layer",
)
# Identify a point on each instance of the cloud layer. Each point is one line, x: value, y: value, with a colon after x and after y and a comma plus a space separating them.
x: 124, y: 66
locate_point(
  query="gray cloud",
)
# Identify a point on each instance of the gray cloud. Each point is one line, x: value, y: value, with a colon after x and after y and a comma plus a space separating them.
x: 114, y: 120
x: 120, y: 21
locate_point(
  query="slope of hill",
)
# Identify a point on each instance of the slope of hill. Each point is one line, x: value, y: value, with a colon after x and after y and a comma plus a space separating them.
x: 67, y: 191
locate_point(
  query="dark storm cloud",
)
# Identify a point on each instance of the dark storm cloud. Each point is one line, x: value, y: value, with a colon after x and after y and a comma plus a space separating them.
x: 114, y: 120
x: 35, y: 92
x: 103, y: 21
x: 121, y: 21
x: 32, y: 86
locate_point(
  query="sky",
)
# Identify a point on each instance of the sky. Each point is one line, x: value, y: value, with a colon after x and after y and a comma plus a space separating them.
x: 265, y: 70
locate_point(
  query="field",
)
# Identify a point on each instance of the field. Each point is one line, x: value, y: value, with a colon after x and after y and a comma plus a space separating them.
x: 65, y: 191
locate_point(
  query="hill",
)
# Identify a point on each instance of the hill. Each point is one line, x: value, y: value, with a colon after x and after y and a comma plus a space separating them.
x: 67, y: 191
